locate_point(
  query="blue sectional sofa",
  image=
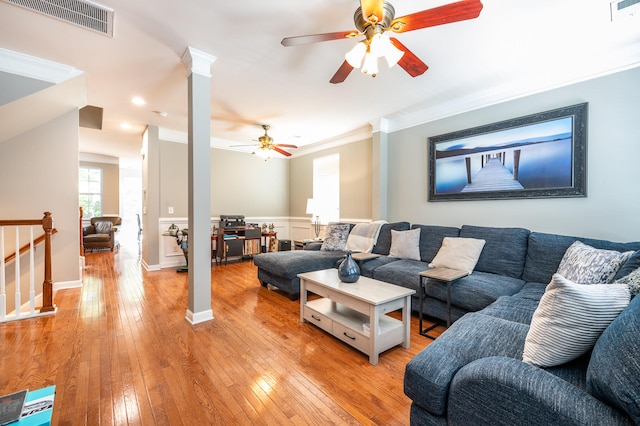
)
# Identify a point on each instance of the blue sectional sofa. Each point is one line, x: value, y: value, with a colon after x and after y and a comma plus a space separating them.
x: 473, y: 373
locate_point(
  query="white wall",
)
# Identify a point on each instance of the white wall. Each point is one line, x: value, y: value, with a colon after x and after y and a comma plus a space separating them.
x: 610, y: 211
x: 39, y: 171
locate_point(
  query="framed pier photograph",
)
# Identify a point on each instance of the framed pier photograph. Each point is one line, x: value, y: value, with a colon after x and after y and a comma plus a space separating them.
x: 539, y: 155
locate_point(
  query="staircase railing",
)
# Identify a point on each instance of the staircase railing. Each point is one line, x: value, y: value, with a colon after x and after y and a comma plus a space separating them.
x: 47, y: 286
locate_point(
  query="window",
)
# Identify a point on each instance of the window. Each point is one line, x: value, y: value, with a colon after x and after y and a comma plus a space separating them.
x: 90, y: 184
x: 326, y: 188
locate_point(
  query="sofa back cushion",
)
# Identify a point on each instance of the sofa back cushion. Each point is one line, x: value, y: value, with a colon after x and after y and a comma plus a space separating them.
x: 505, y: 249
x: 546, y: 251
x: 383, y: 243
x: 613, y: 374
x: 431, y: 239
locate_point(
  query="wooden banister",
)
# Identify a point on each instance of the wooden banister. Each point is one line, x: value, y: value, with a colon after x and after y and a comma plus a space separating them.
x: 25, y: 247
x: 47, y: 226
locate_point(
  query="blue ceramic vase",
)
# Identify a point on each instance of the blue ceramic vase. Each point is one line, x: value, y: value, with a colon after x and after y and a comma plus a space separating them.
x: 349, y: 271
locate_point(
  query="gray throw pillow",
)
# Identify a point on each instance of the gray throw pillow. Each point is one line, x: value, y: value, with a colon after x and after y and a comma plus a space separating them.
x: 335, y: 237
x: 405, y: 244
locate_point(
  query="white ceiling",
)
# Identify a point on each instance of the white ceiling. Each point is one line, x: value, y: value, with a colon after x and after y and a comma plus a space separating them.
x: 514, y: 48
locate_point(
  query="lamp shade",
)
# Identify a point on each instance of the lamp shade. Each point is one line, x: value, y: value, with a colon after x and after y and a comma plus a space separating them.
x: 310, y: 206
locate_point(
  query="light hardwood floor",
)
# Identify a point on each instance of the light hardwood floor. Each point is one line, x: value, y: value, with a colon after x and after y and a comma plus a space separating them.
x: 120, y: 352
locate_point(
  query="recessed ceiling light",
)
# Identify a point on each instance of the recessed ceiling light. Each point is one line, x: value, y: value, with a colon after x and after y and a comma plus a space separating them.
x: 161, y: 113
x: 125, y: 126
x: 138, y: 101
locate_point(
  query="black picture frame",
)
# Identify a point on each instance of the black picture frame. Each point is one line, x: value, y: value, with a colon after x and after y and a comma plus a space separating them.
x: 545, y: 155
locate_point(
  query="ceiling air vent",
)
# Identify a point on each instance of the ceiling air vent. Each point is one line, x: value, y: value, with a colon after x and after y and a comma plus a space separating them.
x: 86, y: 14
x: 624, y: 8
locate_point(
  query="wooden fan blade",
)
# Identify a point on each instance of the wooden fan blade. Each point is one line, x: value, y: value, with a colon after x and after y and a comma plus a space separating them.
x: 316, y: 38
x: 372, y: 7
x: 284, y: 145
x: 454, y: 12
x: 281, y: 151
x: 409, y: 61
x: 342, y: 73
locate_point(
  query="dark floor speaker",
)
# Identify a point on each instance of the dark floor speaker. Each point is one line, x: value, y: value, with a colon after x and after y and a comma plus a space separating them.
x: 284, y: 245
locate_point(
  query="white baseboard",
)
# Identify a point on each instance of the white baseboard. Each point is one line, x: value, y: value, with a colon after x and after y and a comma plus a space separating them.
x: 63, y: 285
x: 199, y: 317
x: 149, y: 268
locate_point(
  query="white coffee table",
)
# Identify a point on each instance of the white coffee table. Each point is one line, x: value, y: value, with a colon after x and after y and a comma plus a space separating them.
x: 345, y: 308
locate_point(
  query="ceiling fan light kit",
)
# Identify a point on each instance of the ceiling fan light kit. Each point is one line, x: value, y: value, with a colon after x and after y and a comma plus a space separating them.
x: 372, y: 19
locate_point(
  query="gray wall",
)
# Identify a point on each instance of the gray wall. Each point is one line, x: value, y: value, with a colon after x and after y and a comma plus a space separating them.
x: 110, y: 186
x: 241, y: 183
x: 612, y: 207
x: 40, y: 171
x: 355, y: 180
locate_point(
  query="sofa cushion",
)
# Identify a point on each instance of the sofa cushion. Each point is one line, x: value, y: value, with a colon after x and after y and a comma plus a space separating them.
x: 505, y: 249
x: 512, y: 308
x: 476, y: 291
x: 368, y: 266
x: 632, y: 281
x: 405, y: 244
x: 335, y: 237
x: 458, y: 253
x: 288, y: 264
x: 431, y: 239
x: 546, y: 251
x: 474, y: 336
x: 613, y: 374
x: 383, y: 243
x: 582, y: 263
x: 570, y: 318
x: 103, y: 227
x: 404, y: 272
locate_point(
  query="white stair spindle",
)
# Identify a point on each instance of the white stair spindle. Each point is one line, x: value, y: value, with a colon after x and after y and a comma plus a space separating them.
x: 32, y: 290
x: 17, y: 269
x: 3, y: 296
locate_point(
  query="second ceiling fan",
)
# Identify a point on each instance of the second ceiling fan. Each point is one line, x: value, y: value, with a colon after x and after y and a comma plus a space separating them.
x: 265, y: 145
x: 375, y: 17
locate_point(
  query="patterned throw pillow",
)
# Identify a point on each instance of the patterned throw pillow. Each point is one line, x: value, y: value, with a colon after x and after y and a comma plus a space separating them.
x: 335, y: 237
x: 633, y: 281
x: 569, y: 320
x: 588, y: 265
x: 405, y: 244
x: 103, y: 227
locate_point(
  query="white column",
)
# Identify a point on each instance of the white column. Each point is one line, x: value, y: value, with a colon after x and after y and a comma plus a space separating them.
x: 199, y: 173
x: 379, y: 170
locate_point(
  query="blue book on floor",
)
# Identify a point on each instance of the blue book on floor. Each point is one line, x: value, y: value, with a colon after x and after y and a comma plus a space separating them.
x: 38, y: 407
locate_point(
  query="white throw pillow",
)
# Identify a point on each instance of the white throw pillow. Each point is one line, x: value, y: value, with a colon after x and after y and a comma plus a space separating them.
x: 458, y: 253
x: 588, y: 265
x: 570, y: 318
x: 405, y: 244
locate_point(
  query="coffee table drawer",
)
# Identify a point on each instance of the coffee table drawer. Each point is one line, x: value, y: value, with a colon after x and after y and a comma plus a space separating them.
x: 318, y: 319
x: 348, y: 335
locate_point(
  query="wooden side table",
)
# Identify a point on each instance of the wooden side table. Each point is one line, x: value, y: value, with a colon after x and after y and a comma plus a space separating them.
x: 268, y: 237
x: 440, y: 274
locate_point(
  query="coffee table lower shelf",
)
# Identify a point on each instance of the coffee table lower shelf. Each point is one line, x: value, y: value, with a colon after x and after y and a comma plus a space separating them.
x: 347, y: 325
